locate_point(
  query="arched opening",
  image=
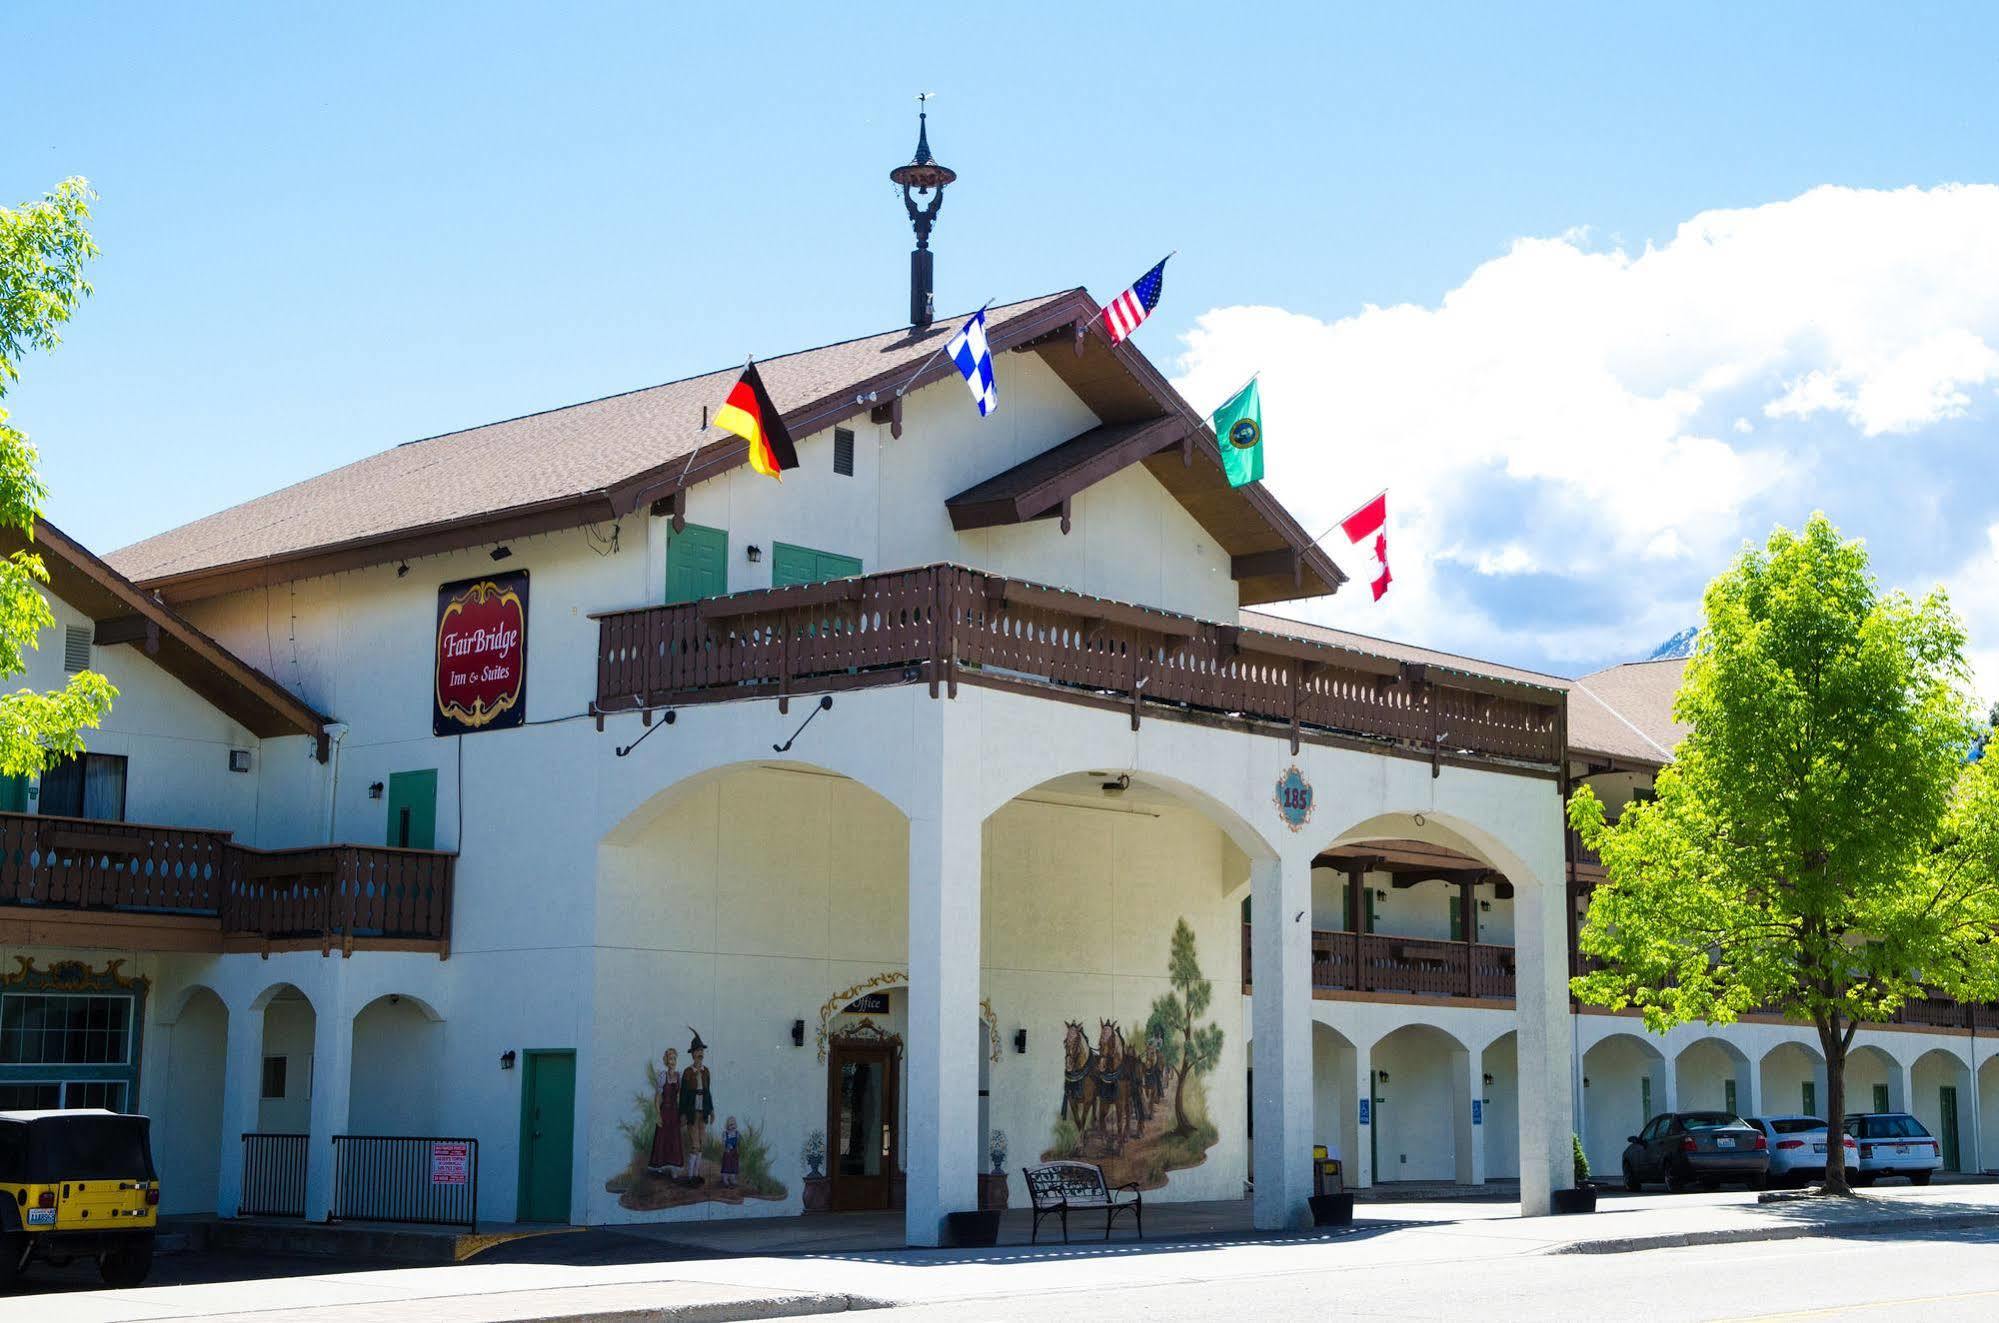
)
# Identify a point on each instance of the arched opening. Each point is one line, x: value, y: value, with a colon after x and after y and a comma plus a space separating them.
x: 1988, y: 1114
x: 1713, y: 1076
x: 1873, y: 1081
x: 284, y: 1086
x: 187, y: 1140
x: 1941, y: 1084
x: 1793, y: 1081
x: 1421, y: 1090
x: 1499, y: 1110
x: 393, y: 1081
x: 1335, y: 1123
x: 1624, y: 1086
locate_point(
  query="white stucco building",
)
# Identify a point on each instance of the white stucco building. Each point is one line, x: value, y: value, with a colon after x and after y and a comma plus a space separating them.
x: 1058, y: 777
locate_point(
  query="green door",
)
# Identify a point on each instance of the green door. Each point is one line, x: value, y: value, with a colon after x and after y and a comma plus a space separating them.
x: 697, y: 563
x: 789, y: 565
x: 413, y: 810
x: 1880, y: 1097
x: 1947, y: 1125
x: 1809, y: 1102
x: 1728, y: 1096
x: 548, y: 1133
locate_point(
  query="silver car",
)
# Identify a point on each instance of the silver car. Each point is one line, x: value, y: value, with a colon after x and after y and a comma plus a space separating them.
x: 1893, y: 1144
x: 1798, y: 1148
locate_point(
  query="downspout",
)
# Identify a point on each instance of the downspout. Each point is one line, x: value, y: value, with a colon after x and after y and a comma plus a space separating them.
x: 336, y: 731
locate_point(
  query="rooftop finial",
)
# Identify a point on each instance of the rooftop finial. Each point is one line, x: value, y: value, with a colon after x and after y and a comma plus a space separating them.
x: 919, y: 178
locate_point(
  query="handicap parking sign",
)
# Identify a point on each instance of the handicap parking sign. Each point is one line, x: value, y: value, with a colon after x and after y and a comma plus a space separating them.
x: 1363, y: 1111
x: 1477, y: 1112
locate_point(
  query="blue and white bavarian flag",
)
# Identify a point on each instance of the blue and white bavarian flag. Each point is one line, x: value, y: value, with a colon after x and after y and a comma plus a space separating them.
x: 968, y: 350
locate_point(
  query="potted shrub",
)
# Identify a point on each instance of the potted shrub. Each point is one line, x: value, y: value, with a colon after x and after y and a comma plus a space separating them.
x: 1582, y: 1199
x: 992, y: 1184
x: 818, y: 1195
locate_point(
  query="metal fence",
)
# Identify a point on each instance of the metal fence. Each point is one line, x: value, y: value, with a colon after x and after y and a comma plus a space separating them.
x: 405, y: 1178
x: 274, y: 1175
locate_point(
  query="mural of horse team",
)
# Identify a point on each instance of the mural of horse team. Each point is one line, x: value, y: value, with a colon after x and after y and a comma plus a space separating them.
x: 1115, y: 1109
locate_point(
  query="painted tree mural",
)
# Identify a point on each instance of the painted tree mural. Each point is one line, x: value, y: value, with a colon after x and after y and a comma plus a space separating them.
x: 1190, y: 1049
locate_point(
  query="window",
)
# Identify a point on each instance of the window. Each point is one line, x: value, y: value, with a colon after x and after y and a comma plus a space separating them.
x: 843, y: 452
x: 91, y: 785
x: 274, y: 1077
x: 31, y: 1096
x: 790, y: 565
x: 1797, y: 1125
x: 44, y: 1028
x: 76, y: 648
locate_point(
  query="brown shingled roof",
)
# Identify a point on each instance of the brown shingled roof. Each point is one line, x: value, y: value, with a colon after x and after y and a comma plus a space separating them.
x: 1638, y: 696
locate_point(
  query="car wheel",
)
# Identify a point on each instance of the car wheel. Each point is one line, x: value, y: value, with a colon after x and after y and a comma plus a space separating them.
x: 1920, y: 1177
x: 1631, y: 1181
x: 126, y: 1267
x: 1673, y: 1180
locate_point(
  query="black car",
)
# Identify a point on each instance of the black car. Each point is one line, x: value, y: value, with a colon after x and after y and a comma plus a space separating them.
x: 1681, y: 1148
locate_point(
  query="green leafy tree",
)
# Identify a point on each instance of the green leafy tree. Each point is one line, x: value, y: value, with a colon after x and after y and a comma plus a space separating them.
x: 43, y: 248
x: 1814, y: 848
x: 1188, y: 1048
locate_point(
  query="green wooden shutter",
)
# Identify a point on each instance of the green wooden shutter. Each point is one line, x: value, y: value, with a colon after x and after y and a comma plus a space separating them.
x: 697, y: 563
x: 413, y: 809
x: 791, y: 565
x: 13, y: 794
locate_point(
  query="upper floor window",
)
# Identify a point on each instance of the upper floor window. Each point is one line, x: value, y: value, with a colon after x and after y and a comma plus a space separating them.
x: 76, y: 648
x: 91, y: 785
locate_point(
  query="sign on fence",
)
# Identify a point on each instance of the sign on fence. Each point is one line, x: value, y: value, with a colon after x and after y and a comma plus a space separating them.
x: 449, y: 1162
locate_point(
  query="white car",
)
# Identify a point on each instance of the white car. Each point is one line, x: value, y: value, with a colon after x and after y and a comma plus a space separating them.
x: 1798, y: 1148
x: 1893, y: 1144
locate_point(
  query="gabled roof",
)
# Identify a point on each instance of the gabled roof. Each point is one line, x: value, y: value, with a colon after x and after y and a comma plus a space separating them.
x: 605, y: 458
x: 125, y: 613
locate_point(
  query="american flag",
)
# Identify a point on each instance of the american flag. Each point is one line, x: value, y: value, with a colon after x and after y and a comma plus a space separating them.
x: 1123, y: 314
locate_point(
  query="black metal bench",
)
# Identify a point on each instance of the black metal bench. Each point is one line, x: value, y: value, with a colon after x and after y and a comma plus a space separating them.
x: 1058, y: 1188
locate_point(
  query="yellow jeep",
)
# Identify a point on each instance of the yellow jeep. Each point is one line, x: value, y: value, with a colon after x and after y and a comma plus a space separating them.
x: 77, y: 1184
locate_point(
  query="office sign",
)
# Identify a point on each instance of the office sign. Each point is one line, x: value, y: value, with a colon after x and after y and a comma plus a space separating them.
x: 482, y: 654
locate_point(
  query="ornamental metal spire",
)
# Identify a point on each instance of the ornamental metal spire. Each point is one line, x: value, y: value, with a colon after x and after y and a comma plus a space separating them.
x: 919, y: 178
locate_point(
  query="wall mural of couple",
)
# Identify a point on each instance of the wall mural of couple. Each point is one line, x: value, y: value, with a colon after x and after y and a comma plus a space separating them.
x: 678, y: 1157
x: 1139, y: 1109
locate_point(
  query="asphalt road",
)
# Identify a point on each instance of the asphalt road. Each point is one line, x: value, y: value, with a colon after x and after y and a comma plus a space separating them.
x: 1944, y: 1276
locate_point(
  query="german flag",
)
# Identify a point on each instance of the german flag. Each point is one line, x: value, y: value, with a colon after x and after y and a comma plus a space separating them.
x: 749, y: 413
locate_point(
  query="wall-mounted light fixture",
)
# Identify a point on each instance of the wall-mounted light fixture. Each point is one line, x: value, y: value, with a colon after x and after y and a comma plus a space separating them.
x: 1381, y: 1077
x: 375, y: 790
x: 502, y: 551
x: 798, y: 1033
x: 1585, y: 1081
x: 1118, y: 784
x: 402, y: 569
x: 1020, y: 1041
x: 1488, y: 1079
x: 754, y: 552
x: 507, y: 1059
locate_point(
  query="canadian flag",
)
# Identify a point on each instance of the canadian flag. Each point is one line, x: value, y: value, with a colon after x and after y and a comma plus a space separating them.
x: 1371, y: 521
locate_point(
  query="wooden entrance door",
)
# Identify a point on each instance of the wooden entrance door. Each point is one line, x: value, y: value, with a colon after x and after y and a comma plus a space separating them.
x: 863, y: 1148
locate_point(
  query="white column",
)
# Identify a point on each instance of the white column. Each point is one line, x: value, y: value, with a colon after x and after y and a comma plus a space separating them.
x: 1541, y: 940
x: 1281, y: 1030
x: 1360, y: 1163
x: 1902, y: 1087
x: 1749, y: 1089
x: 1669, y: 1083
x: 242, y: 1083
x: 942, y: 1144
x: 1470, y: 1138
x: 332, y: 1078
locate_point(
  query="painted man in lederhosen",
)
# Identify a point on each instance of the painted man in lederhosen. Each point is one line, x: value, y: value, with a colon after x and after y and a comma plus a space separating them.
x: 697, y: 1104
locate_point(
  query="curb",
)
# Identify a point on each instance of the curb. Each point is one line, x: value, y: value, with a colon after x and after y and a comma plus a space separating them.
x: 725, y: 1311
x: 1806, y: 1231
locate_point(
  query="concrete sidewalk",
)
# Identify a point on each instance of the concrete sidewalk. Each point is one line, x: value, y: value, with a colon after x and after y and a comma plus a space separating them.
x: 814, y: 1283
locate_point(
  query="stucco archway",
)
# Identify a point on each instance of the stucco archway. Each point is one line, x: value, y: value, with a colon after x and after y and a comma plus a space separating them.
x: 1626, y: 1082
x: 187, y: 1141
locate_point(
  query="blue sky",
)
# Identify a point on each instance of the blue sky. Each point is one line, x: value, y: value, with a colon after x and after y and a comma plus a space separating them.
x: 328, y: 229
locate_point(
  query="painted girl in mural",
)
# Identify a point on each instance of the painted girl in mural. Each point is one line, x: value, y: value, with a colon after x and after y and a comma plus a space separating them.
x: 667, y: 1158
x: 697, y: 1104
x: 732, y: 1160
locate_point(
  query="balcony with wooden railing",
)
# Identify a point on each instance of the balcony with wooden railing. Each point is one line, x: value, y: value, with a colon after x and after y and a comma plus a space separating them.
x: 76, y: 881
x: 945, y: 625
x: 1411, y: 966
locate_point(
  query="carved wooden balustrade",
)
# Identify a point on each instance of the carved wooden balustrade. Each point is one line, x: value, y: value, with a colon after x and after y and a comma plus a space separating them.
x: 945, y: 625
x: 335, y: 894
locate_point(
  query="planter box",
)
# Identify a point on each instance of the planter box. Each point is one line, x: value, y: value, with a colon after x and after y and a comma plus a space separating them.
x: 1581, y: 1200
x: 968, y: 1230
x: 1331, y: 1210
x: 992, y: 1190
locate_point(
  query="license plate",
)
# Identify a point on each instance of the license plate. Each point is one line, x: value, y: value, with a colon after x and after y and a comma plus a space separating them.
x: 41, y: 1217
x: 1724, y: 1142
x: 1818, y: 1148
x: 1901, y: 1150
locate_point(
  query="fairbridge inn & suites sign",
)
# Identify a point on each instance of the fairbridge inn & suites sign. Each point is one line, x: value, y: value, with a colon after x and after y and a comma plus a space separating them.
x: 482, y: 664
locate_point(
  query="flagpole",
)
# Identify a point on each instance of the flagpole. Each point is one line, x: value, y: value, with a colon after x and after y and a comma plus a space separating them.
x: 1356, y: 510
x: 921, y: 367
x: 1237, y: 391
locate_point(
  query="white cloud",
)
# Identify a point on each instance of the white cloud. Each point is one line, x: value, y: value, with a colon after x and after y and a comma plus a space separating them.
x: 1566, y: 436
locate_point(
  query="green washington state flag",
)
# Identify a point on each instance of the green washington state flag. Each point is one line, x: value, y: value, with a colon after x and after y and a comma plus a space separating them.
x: 1239, y: 432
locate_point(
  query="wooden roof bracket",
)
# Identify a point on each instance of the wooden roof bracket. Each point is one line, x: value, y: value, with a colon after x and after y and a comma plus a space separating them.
x: 1066, y: 513
x: 890, y: 413
x: 673, y: 506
